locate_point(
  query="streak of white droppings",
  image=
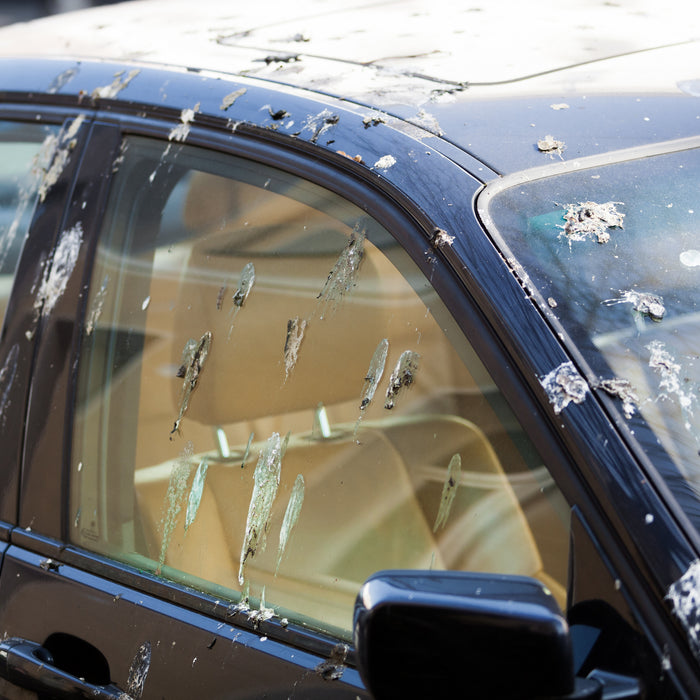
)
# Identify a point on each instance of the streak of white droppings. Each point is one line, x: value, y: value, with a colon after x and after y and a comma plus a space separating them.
x: 146, y: 303
x: 116, y: 86
x: 266, y: 481
x: 174, y: 499
x: 402, y: 377
x: 291, y: 515
x: 385, y: 162
x: 96, y: 307
x: 138, y: 671
x: 372, y: 377
x: 194, y: 355
x: 684, y: 596
x: 231, y: 98
x: 7, y: 379
x: 449, y: 491
x: 196, y: 491
x: 58, y: 270
x: 181, y: 131
x: 343, y: 277
x: 244, y: 286
x: 296, y: 328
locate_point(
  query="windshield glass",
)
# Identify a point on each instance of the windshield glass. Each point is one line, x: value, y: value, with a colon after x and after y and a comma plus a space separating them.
x: 613, y: 253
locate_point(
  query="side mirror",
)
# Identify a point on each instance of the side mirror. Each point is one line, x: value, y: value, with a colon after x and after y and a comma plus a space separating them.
x: 425, y: 634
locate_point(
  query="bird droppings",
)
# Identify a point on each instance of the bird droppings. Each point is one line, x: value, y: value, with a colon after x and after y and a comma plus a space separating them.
x: 138, y: 671
x: 623, y: 390
x: 590, y: 220
x: 343, y: 277
x: 241, y: 294
x: 357, y: 158
x: 552, y: 303
x: 246, y: 453
x: 690, y: 258
x: 296, y: 328
x: 54, y: 154
x: 277, y: 114
x: 319, y: 123
x: 332, y: 668
x: 385, y: 162
x: 559, y: 106
x: 684, y: 596
x: 174, y: 498
x: 291, y: 515
x: 96, y: 307
x: 373, y: 377
x: 403, y: 377
x: 49, y: 565
x: 551, y: 145
x: 373, y: 120
x: 181, y: 131
x: 194, y: 355
x: 564, y: 385
x: 643, y: 303
x: 231, y: 98
x: 670, y: 382
x: 281, y: 58
x: 61, y: 80
x: 116, y: 86
x: 58, y: 269
x: 428, y: 122
x: 266, y: 481
x: 442, y: 238
x: 7, y: 379
x: 449, y: 491
x: 196, y: 491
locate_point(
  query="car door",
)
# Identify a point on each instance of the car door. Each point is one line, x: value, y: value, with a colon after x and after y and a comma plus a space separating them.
x: 254, y: 386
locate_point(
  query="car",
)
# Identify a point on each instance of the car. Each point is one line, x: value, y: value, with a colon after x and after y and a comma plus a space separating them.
x: 350, y: 351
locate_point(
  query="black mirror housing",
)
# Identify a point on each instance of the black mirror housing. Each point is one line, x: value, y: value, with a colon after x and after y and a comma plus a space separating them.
x: 458, y: 634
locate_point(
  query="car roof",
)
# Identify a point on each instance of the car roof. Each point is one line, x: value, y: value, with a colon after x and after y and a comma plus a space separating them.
x: 493, y: 78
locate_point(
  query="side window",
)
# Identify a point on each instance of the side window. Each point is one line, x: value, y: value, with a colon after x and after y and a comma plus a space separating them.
x: 273, y: 403
x: 26, y: 151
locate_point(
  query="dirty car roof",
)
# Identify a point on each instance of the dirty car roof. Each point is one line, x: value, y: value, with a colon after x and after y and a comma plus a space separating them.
x: 595, y: 75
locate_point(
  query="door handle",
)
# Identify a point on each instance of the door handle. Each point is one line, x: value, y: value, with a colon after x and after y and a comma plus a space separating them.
x: 30, y: 666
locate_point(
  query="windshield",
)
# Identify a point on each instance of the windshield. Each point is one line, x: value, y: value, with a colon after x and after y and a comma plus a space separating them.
x: 614, y: 254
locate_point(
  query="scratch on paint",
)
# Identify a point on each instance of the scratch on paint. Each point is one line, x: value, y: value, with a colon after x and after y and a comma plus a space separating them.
x: 196, y: 491
x: 343, y: 277
x: 449, y: 490
x: 403, y: 376
x: 194, y: 356
x: 291, y: 515
x: 266, y: 481
x: 174, y: 498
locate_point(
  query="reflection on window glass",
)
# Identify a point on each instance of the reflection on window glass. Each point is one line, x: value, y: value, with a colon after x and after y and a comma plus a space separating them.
x: 615, y: 251
x: 273, y: 403
x: 25, y: 152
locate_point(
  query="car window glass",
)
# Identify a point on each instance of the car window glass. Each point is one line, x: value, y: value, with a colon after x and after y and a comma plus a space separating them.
x: 25, y: 154
x: 273, y: 403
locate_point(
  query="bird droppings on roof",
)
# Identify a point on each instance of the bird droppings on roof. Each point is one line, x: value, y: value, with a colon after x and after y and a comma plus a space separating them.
x: 591, y: 220
x: 551, y: 145
x: 181, y: 131
x: 120, y: 81
x: 230, y: 99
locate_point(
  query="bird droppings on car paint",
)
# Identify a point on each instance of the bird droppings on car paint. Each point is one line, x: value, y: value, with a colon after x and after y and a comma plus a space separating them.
x: 54, y: 155
x: 138, y: 671
x: 623, y: 390
x: 357, y: 158
x: 372, y: 378
x: 343, y: 277
x: 230, y: 99
x: 291, y: 515
x: 194, y: 355
x: 262, y: 614
x: 107, y: 92
x: 61, y: 80
x: 7, y: 378
x: 266, y: 481
x: 690, y: 258
x: 296, y: 328
x: 385, y: 162
x: 96, y: 307
x: 196, y: 491
x: 590, y: 220
x: 280, y: 58
x: 49, y: 565
x: 644, y: 304
x: 684, y: 596
x: 559, y: 106
x: 373, y: 120
x: 427, y: 121
x: 58, y: 269
x: 564, y: 385
x: 449, y: 491
x: 441, y: 238
x: 403, y: 377
x: 551, y: 145
x: 277, y: 114
x: 319, y: 123
x: 241, y: 294
x: 181, y: 131
x: 333, y: 667
x: 174, y: 499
